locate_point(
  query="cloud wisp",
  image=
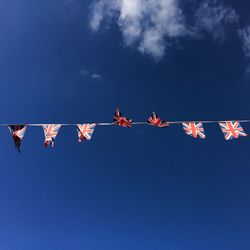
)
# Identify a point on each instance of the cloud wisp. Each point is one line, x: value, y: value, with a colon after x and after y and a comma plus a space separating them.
x: 245, y: 37
x: 91, y: 76
x: 96, y: 77
x: 214, y: 18
x: 154, y: 25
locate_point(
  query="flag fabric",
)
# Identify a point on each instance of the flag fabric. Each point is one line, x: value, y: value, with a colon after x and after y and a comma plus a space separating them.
x: 50, y: 133
x: 194, y: 129
x: 17, y: 132
x: 232, y: 130
x: 156, y: 121
x: 85, y: 131
x: 121, y: 120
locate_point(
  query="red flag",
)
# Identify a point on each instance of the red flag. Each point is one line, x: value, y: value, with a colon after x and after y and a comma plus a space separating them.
x: 85, y: 131
x: 121, y: 120
x: 17, y: 132
x: 194, y: 129
x: 156, y: 121
x: 50, y: 133
x: 232, y: 130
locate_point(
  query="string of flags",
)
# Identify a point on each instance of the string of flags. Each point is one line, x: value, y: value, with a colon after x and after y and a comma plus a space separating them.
x: 230, y: 129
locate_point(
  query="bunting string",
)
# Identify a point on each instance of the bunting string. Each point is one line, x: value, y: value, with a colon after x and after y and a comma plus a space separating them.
x: 112, y: 124
x: 231, y: 129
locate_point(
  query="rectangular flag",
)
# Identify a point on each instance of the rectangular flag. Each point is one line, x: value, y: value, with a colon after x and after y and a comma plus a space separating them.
x: 50, y: 133
x: 194, y: 129
x: 17, y: 132
x: 85, y: 131
x: 232, y: 130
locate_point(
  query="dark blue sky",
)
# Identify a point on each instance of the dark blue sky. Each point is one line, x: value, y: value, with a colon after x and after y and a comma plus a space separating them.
x: 140, y: 188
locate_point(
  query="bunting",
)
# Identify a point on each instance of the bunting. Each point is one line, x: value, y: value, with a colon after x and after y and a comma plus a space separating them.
x: 50, y: 133
x: 17, y: 133
x: 121, y: 120
x: 232, y: 130
x: 156, y: 121
x: 85, y: 131
x: 194, y: 129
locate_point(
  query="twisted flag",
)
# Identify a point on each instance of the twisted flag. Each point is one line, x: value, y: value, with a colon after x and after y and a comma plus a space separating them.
x: 85, y: 131
x: 121, y: 120
x: 17, y: 132
x: 194, y: 129
x: 232, y: 130
x: 156, y: 121
x: 50, y: 133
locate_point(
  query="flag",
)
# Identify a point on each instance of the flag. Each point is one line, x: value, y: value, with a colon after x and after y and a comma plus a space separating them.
x: 194, y: 129
x: 50, y: 133
x: 121, y: 120
x: 85, y: 131
x: 232, y: 129
x: 17, y: 132
x: 156, y: 121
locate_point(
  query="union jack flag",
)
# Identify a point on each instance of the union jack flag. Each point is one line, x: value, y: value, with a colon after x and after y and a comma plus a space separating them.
x: 232, y: 129
x: 155, y: 120
x: 50, y: 133
x: 85, y: 131
x: 17, y: 132
x: 121, y: 120
x: 194, y: 129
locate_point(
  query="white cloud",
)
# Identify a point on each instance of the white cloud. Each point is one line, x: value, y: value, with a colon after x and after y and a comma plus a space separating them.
x: 91, y: 76
x: 102, y: 9
x: 146, y: 23
x: 213, y: 18
x: 97, y: 15
x: 245, y: 37
x: 151, y: 25
x: 96, y: 77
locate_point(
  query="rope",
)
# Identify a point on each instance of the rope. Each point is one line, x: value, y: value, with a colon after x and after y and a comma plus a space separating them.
x: 110, y: 123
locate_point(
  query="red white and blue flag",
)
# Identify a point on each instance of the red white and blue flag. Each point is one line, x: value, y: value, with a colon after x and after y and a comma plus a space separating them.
x: 121, y: 120
x: 85, y: 131
x: 156, y: 121
x: 50, y: 133
x: 17, y: 132
x: 194, y: 129
x: 232, y: 130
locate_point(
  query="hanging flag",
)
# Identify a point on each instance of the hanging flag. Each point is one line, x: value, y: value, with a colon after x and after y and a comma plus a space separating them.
x: 121, y: 120
x: 232, y: 130
x: 156, y: 121
x: 194, y: 129
x: 50, y: 133
x: 17, y: 132
x: 85, y: 131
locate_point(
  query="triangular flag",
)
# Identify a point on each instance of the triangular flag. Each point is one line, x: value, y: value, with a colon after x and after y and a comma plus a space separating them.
x: 121, y: 120
x: 17, y: 132
x: 232, y: 130
x: 194, y: 129
x: 85, y: 131
x: 156, y: 121
x: 50, y: 133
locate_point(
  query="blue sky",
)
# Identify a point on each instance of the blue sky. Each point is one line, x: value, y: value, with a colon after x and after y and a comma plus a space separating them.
x: 140, y: 188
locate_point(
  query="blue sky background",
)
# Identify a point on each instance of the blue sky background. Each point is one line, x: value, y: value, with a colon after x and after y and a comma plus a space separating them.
x: 140, y: 188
